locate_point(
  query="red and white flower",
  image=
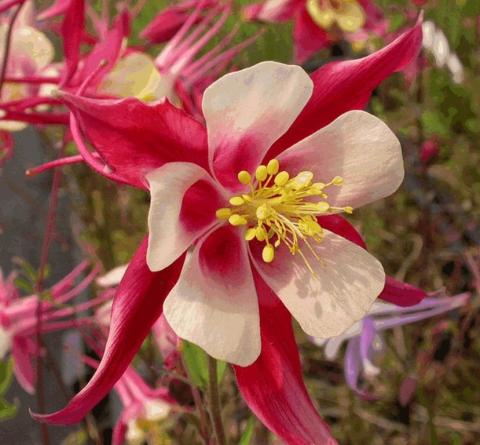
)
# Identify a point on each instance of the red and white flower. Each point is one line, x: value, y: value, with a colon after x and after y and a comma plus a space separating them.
x: 250, y: 214
x: 270, y: 111
x: 19, y: 319
x: 319, y: 23
x: 29, y: 67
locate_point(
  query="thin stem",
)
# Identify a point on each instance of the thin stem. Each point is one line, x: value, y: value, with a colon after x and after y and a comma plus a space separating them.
x: 203, y: 427
x: 48, y: 237
x: 214, y: 401
x: 8, y: 39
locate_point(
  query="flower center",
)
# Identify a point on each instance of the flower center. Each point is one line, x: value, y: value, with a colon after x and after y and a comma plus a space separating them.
x: 348, y: 15
x: 280, y: 209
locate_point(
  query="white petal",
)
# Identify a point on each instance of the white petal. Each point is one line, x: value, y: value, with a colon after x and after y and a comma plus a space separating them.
x: 332, y: 345
x: 33, y: 47
x: 5, y: 343
x: 348, y: 280
x: 214, y: 303
x: 248, y: 110
x: 156, y: 409
x: 135, y: 75
x: 112, y: 277
x: 356, y: 146
x: 173, y: 225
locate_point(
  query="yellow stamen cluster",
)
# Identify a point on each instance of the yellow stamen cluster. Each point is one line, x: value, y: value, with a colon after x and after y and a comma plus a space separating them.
x: 348, y: 15
x: 280, y: 208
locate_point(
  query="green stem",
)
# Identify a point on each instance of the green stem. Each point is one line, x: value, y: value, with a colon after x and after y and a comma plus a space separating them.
x: 214, y: 401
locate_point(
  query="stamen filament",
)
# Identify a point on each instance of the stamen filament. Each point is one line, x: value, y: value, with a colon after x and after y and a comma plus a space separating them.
x: 280, y: 207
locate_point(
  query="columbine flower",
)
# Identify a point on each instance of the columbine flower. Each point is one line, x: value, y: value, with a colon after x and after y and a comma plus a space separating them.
x: 134, y: 139
x: 178, y: 72
x: 143, y: 409
x: 168, y: 21
x: 364, y: 341
x: 318, y: 23
x: 136, y: 74
x: 18, y: 319
x: 30, y: 57
x: 435, y: 41
x: 273, y: 205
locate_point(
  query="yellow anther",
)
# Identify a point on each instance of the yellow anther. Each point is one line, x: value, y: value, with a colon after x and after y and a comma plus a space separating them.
x: 282, y: 211
x: 273, y: 167
x: 268, y: 253
x: 323, y: 206
x: 282, y: 178
x: 262, y: 212
x: 244, y: 177
x: 261, y: 173
x: 236, y: 201
x: 260, y: 234
x: 223, y: 213
x: 303, y: 179
x: 310, y: 227
x: 337, y: 180
x: 318, y: 186
x: 237, y: 220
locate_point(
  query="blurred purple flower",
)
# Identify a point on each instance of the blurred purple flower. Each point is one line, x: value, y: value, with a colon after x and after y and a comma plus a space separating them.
x: 364, y: 340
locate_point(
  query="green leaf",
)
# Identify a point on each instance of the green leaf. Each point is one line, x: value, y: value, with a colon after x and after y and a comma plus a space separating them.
x: 6, y: 375
x: 435, y: 123
x: 247, y: 434
x: 79, y: 437
x: 221, y: 367
x: 7, y: 410
x: 196, y: 361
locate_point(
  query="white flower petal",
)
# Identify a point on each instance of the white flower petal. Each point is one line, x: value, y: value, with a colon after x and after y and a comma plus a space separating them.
x: 173, y: 223
x: 247, y: 111
x: 356, y: 146
x: 348, y: 280
x: 214, y: 303
x: 5, y: 343
x: 112, y: 277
